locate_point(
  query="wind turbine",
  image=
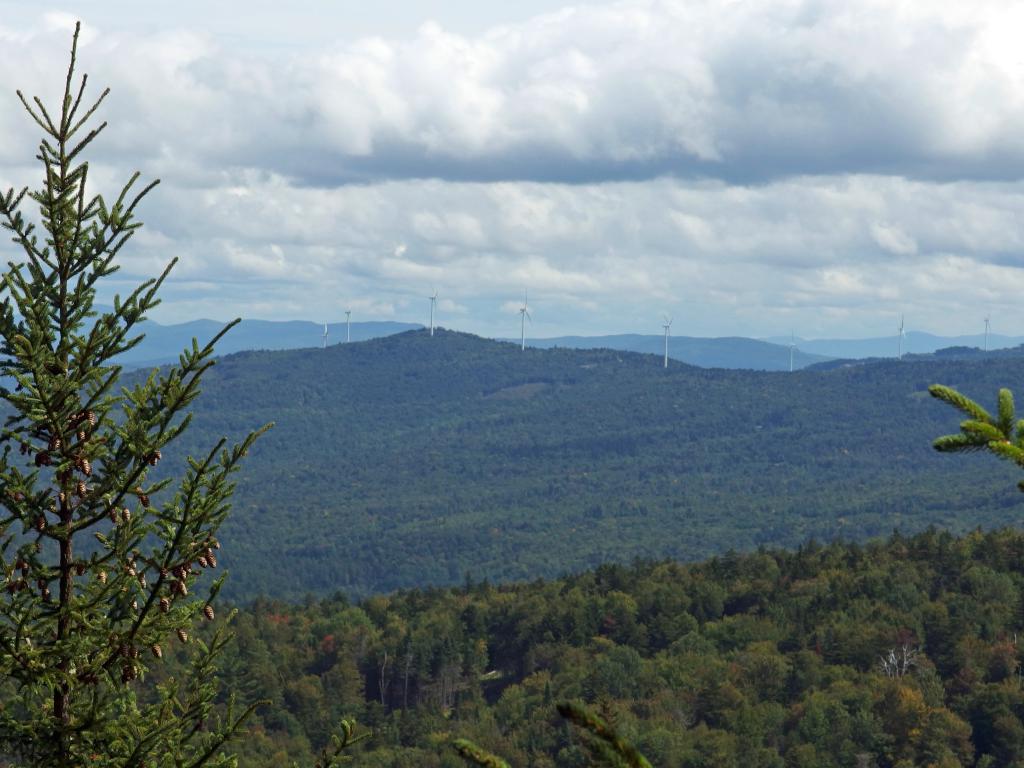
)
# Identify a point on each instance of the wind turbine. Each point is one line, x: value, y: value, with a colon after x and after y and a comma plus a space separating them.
x: 433, y: 301
x: 666, y: 325
x: 348, y: 325
x: 986, y: 332
x: 325, y: 335
x: 899, y: 343
x: 524, y: 315
x: 792, y: 346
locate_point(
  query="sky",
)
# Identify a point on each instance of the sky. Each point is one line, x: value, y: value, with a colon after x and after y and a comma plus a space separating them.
x: 747, y: 167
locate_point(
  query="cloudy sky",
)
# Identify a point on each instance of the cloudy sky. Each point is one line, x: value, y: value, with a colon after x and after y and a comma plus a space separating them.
x: 747, y: 166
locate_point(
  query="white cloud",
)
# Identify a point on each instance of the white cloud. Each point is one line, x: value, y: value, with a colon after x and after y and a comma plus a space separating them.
x: 893, y: 239
x: 739, y: 165
x: 629, y: 89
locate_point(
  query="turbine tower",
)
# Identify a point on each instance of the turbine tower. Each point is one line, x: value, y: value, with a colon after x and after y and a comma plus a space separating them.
x: 986, y: 332
x: 792, y: 346
x: 325, y: 335
x: 433, y: 301
x: 666, y: 325
x: 899, y: 342
x: 524, y: 315
x: 348, y: 325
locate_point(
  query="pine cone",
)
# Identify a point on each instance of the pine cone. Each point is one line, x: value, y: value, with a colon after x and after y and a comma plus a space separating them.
x: 183, y: 635
x: 208, y: 612
x: 165, y: 605
x: 157, y: 651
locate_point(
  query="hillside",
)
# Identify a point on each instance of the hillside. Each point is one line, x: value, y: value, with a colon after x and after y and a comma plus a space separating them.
x: 764, y: 660
x: 411, y: 460
x: 914, y: 342
x: 972, y: 354
x: 725, y: 352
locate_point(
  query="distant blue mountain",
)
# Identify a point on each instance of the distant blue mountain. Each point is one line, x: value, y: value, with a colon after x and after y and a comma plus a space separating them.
x: 725, y: 352
x: 915, y: 342
x: 163, y: 343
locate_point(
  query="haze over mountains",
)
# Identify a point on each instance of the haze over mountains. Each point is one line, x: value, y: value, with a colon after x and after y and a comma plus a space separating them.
x: 914, y: 342
x: 410, y: 461
x: 724, y: 352
x: 163, y: 343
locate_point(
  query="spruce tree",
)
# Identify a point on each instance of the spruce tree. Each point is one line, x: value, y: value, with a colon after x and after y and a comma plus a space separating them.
x: 100, y: 562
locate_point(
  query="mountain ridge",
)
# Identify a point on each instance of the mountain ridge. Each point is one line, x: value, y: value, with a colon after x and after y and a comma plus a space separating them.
x: 412, y: 460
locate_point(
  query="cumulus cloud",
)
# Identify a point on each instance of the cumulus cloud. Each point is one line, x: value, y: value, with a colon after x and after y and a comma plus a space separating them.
x: 744, y: 167
x: 893, y: 239
x: 632, y: 90
x: 807, y: 245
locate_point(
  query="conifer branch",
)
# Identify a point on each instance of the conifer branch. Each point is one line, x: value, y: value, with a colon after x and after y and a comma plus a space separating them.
x: 471, y: 753
x: 962, y: 403
x: 1003, y: 437
x: 594, y: 725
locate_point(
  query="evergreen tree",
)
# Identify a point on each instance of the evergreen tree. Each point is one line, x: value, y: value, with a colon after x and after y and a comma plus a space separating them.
x: 1002, y: 434
x: 99, y: 571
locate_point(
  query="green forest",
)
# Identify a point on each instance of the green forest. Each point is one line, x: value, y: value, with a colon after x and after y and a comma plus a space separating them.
x: 449, y: 547
x: 772, y: 659
x: 413, y: 460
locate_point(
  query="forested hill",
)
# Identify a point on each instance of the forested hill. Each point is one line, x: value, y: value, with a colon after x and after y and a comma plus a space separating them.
x: 724, y: 352
x: 413, y: 460
x: 766, y: 660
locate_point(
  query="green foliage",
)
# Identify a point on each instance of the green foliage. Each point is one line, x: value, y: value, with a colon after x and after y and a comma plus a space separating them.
x: 781, y: 668
x: 471, y: 753
x: 1003, y: 436
x: 334, y: 755
x: 606, y: 744
x: 412, y: 461
x: 100, y: 575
